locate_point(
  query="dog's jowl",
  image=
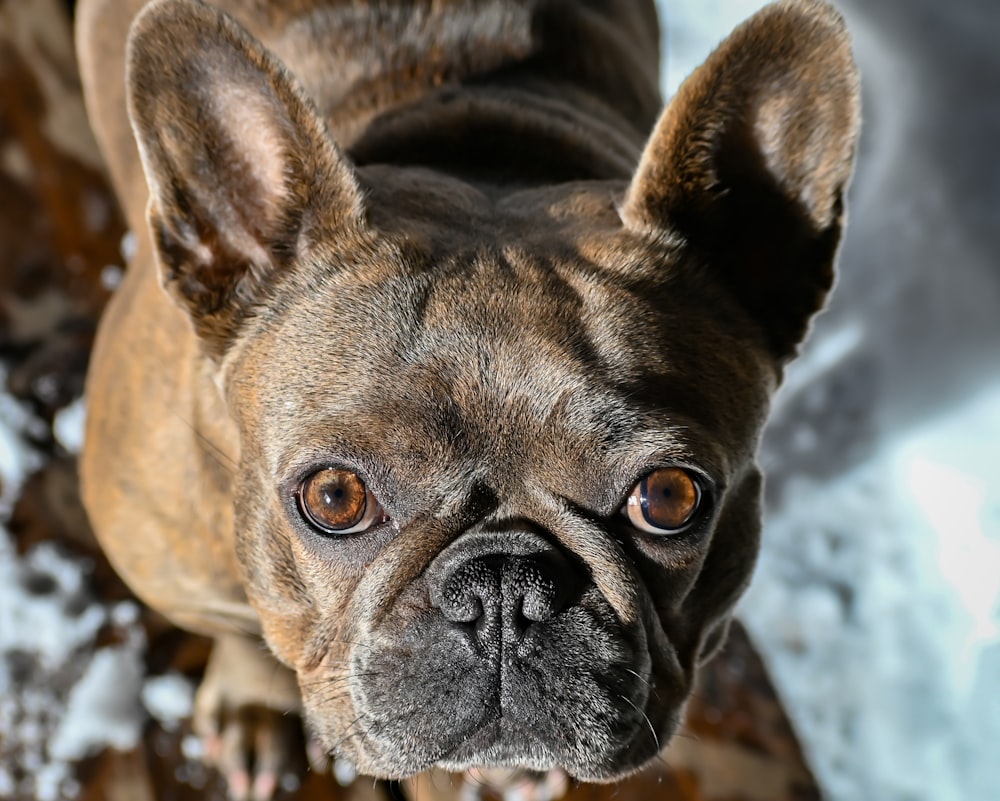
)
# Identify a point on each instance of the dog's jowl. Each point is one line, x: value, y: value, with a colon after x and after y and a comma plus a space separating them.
x: 433, y: 390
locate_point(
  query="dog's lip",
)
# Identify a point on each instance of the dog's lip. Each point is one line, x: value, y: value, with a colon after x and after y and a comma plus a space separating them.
x: 490, y: 718
x: 489, y: 737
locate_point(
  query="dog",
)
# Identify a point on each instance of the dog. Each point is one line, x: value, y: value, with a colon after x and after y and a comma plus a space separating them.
x: 433, y: 389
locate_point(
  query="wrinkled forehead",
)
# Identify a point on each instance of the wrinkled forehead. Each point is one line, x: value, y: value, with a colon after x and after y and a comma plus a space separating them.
x: 513, y: 334
x: 484, y: 328
x: 430, y: 377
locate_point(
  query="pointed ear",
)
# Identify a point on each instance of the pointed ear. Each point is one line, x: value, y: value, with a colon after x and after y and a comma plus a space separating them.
x: 238, y: 162
x: 750, y: 161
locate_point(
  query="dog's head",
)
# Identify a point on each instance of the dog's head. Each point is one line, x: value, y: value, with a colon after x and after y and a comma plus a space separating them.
x: 496, y: 494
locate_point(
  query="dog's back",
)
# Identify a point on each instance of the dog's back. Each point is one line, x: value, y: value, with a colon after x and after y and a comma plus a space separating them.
x: 465, y: 63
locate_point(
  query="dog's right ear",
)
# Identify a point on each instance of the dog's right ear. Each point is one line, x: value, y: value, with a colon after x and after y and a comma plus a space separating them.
x: 238, y: 162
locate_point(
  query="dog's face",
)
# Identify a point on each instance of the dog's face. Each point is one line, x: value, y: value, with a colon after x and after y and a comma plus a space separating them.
x: 496, y: 493
x: 503, y: 494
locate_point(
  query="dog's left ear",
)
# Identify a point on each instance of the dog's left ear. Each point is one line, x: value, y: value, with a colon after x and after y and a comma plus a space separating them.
x: 750, y: 161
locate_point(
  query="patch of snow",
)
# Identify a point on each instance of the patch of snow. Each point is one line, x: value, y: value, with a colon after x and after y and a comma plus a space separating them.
x: 692, y: 29
x: 111, y: 277
x: 124, y: 614
x: 193, y: 747
x: 344, y: 772
x: 60, y: 699
x: 103, y: 708
x: 68, y: 425
x: 128, y: 246
x: 17, y: 458
x: 45, y: 608
x: 168, y: 698
x: 50, y: 779
x: 7, y: 786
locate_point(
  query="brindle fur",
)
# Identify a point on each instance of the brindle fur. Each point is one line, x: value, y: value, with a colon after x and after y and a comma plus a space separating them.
x: 435, y: 242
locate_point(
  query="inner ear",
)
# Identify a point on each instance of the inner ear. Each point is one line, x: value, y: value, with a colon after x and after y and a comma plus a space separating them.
x: 220, y: 180
x: 239, y: 165
x: 750, y: 161
x: 253, y: 140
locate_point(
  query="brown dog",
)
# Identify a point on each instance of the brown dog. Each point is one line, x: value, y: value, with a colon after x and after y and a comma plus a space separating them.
x: 453, y: 393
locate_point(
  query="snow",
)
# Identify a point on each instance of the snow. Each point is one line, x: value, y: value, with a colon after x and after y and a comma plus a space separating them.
x: 168, y: 698
x: 691, y: 28
x: 192, y: 747
x: 17, y: 460
x: 128, y: 246
x: 877, y: 601
x: 60, y: 699
x: 68, y: 426
x: 44, y: 607
x: 111, y: 277
x: 103, y: 708
x: 344, y: 772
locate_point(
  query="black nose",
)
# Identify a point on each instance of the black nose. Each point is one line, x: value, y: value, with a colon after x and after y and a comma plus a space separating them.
x: 501, y: 595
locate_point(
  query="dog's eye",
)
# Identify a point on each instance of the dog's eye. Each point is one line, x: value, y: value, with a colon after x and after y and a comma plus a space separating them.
x: 336, y: 501
x: 664, y: 502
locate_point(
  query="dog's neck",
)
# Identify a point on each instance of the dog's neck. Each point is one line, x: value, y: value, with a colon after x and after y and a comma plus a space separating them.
x: 470, y: 87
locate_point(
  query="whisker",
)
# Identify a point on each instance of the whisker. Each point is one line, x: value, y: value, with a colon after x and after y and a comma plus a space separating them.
x: 219, y: 456
x: 645, y: 717
x: 639, y: 677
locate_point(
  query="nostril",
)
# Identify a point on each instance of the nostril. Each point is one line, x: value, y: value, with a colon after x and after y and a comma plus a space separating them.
x: 461, y: 606
x: 501, y: 595
x: 536, y: 607
x: 470, y: 593
x: 533, y: 591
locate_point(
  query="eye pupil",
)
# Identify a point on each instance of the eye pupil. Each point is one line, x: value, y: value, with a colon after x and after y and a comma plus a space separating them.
x: 668, y: 500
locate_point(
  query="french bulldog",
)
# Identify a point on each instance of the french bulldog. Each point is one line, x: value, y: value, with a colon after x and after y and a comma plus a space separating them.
x: 433, y: 389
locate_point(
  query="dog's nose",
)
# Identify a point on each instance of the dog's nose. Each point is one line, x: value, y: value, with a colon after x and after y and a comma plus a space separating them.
x: 500, y: 596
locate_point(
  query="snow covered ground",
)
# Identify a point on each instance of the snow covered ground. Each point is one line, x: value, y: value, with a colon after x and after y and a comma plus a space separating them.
x: 60, y: 698
x: 877, y: 598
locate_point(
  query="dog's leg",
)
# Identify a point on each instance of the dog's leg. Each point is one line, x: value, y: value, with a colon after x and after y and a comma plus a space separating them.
x: 246, y: 712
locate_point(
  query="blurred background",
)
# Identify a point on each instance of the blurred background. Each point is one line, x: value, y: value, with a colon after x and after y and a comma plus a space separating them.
x: 872, y: 669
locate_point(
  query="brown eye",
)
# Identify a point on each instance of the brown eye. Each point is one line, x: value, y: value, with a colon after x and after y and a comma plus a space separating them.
x: 338, y: 502
x: 664, y: 502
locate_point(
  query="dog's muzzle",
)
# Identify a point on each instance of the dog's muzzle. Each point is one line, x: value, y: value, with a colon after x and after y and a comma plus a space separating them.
x: 514, y: 659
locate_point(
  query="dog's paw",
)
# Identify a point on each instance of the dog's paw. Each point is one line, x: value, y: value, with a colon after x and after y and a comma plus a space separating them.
x: 511, y: 785
x: 255, y: 749
x: 246, y: 713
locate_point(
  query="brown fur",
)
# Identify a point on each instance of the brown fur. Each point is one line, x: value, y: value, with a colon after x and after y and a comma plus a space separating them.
x: 410, y: 238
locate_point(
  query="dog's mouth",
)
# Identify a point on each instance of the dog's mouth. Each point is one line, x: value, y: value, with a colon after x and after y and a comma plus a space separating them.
x: 496, y: 744
x: 574, y: 692
x: 563, y: 739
